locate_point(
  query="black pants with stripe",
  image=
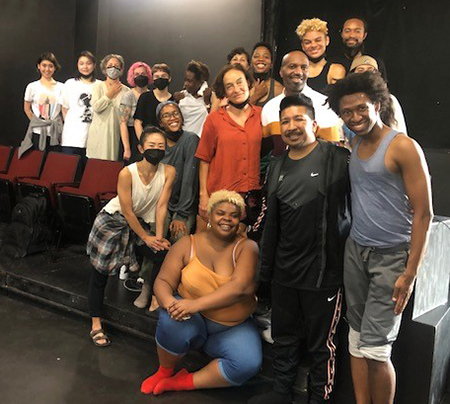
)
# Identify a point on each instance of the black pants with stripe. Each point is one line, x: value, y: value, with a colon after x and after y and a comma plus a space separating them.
x: 314, y: 316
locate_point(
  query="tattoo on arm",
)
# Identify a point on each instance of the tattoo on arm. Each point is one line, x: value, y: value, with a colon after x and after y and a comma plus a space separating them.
x: 124, y: 113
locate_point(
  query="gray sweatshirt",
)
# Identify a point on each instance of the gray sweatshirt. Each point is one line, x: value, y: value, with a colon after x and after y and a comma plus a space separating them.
x: 183, y: 200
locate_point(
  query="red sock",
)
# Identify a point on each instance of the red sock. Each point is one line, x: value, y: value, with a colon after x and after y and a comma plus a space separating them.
x: 183, y: 380
x: 149, y: 384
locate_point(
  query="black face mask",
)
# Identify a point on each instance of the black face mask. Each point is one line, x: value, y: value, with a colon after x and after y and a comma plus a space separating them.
x: 87, y: 76
x: 174, y: 136
x: 239, y: 106
x: 141, y: 81
x: 317, y: 60
x: 161, y: 83
x: 154, y: 156
x: 261, y: 76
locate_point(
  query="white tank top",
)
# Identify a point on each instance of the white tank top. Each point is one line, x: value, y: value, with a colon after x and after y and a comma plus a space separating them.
x: 144, y: 197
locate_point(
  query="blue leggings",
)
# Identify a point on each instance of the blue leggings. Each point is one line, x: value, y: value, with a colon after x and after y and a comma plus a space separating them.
x: 237, y: 348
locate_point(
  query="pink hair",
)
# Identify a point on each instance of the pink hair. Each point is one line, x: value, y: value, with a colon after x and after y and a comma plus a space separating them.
x: 133, y: 67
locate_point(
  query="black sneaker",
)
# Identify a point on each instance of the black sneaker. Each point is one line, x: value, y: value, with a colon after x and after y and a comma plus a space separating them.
x: 133, y: 284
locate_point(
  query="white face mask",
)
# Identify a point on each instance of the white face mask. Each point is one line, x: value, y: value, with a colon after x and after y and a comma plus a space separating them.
x: 113, y: 73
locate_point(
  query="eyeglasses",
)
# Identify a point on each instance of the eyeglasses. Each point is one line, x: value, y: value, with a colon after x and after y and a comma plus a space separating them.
x: 168, y: 115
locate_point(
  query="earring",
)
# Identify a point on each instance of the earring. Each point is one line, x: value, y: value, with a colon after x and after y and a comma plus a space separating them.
x: 208, y: 226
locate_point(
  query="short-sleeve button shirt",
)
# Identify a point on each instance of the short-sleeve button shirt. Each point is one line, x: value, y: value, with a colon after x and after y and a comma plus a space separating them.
x: 232, y: 151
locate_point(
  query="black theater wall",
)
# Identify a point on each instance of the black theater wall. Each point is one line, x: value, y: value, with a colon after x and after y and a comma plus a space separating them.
x: 412, y: 36
x: 29, y: 28
x: 171, y: 31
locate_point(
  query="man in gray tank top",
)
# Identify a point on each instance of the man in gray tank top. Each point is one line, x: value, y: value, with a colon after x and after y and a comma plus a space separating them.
x: 392, y: 211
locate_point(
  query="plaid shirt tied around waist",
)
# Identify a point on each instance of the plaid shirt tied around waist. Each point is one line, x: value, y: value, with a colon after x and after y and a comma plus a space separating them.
x: 111, y: 243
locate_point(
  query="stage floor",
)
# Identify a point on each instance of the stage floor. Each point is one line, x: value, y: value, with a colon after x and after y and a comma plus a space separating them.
x: 61, y: 279
x: 46, y: 357
x: 44, y: 316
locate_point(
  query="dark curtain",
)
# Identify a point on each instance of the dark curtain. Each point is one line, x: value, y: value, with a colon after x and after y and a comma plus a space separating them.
x: 271, y: 22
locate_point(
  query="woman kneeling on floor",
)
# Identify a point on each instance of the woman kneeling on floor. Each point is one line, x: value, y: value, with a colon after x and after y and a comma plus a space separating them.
x: 131, y: 222
x: 206, y: 294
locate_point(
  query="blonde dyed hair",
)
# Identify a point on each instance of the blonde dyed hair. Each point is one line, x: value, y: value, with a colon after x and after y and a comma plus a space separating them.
x: 223, y: 195
x: 313, y: 24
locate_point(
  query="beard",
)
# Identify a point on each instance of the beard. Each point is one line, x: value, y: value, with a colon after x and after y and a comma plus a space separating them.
x: 352, y: 51
x: 296, y: 87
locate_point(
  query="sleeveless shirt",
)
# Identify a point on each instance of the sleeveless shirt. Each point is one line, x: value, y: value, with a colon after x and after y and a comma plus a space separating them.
x: 197, y: 280
x: 382, y: 215
x: 144, y: 197
x: 320, y: 82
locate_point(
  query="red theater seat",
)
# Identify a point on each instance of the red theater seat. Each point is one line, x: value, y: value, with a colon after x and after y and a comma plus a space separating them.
x: 78, y: 206
x: 5, y: 158
x: 28, y: 166
x: 59, y: 168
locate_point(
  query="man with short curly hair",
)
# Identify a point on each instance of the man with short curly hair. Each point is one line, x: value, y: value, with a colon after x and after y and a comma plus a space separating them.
x: 313, y: 34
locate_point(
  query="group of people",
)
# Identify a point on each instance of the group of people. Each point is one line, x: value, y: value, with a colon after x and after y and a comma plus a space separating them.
x: 330, y: 222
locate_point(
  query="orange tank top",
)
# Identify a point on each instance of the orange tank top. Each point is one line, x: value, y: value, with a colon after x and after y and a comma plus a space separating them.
x: 197, y: 280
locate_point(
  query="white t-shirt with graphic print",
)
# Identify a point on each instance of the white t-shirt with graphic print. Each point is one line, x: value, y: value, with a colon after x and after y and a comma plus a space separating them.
x: 45, y: 103
x: 76, y: 98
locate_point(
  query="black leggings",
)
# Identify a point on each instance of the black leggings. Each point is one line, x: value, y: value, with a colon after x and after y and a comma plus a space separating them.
x: 157, y: 259
x: 98, y: 281
x: 96, y: 292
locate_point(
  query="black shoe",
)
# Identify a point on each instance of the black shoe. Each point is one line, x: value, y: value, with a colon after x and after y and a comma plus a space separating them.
x: 132, y: 284
x: 271, y: 397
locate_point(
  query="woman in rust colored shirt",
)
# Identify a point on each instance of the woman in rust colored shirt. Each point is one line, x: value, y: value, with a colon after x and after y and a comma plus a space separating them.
x: 230, y: 145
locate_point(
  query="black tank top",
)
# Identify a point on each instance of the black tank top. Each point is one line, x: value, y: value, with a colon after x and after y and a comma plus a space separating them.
x: 269, y: 96
x: 320, y: 83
